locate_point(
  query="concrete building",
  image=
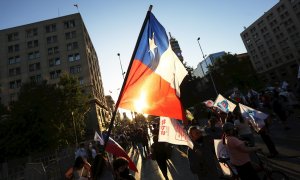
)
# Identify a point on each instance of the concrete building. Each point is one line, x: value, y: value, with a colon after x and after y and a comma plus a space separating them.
x: 273, y: 43
x: 175, y: 47
x: 202, y: 68
x: 46, y: 49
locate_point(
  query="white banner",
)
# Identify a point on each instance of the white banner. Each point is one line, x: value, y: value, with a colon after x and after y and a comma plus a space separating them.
x: 222, y: 152
x: 224, y: 104
x: 172, y: 132
x: 257, y: 118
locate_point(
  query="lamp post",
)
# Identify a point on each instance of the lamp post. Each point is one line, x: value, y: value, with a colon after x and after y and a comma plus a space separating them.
x: 123, y: 73
x: 74, y: 129
x: 121, y: 66
x: 212, y: 80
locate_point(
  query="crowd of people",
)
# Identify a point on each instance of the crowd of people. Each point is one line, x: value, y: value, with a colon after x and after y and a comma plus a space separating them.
x: 236, y: 132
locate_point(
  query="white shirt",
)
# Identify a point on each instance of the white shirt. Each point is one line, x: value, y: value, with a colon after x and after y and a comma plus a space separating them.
x: 243, y: 128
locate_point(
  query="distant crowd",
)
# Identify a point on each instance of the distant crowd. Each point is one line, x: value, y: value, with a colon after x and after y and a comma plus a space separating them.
x: 237, y: 134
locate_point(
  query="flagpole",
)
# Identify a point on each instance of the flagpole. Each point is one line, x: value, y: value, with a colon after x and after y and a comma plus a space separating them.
x: 126, y: 77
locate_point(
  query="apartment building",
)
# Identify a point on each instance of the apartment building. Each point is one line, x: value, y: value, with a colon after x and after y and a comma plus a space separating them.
x: 46, y: 49
x: 273, y: 43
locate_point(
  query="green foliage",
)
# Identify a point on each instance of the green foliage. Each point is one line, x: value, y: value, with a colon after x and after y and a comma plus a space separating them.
x: 41, y: 118
x: 229, y: 72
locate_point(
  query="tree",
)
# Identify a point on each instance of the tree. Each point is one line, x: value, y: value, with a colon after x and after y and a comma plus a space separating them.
x: 229, y: 71
x: 41, y: 119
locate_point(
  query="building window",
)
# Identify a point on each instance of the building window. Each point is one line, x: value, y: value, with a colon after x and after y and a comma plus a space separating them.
x: 70, y: 35
x: 13, y: 48
x: 71, y: 46
x: 33, y: 55
x: 51, y: 39
x: 34, y: 67
x: 69, y: 24
x: 54, y: 62
x: 55, y: 74
x: 13, y: 36
x: 14, y: 60
x: 31, y: 32
x: 15, y: 84
x: 53, y: 50
x: 14, y: 71
x: 12, y: 97
x: 75, y: 69
x: 50, y: 28
x: 32, y: 44
x: 36, y: 78
x: 80, y: 79
x: 74, y: 57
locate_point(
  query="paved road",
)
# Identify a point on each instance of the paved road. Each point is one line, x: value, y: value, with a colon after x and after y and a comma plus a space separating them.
x: 288, y: 145
x: 178, y: 167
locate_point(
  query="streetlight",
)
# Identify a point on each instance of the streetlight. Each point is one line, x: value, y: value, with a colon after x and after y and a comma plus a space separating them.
x: 74, y: 129
x: 121, y: 66
x: 212, y: 80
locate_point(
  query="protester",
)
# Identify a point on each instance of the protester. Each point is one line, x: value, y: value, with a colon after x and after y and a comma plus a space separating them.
x: 239, y: 154
x: 81, y: 170
x: 121, y: 169
x: 159, y: 152
x: 242, y: 126
x: 146, y: 141
x: 264, y: 134
x: 81, y: 152
x: 91, y: 153
x: 139, y: 142
x: 280, y: 110
x: 213, y: 131
x: 238, y: 97
x: 201, y: 157
x: 101, y: 168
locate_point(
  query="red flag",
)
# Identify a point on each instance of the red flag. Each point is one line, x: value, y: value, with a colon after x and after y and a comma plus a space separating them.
x: 154, y: 75
x: 114, y: 148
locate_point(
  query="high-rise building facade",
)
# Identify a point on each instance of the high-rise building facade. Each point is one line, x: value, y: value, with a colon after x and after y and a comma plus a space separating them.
x: 273, y: 42
x: 202, y: 68
x: 46, y: 49
x: 175, y: 47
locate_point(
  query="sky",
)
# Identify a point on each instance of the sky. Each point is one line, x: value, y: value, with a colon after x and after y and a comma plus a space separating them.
x: 114, y: 26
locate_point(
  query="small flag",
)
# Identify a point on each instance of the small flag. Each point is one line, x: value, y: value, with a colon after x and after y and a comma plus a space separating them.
x: 222, y: 152
x: 76, y: 5
x: 257, y: 118
x: 114, y: 148
x: 224, y: 104
x: 172, y: 132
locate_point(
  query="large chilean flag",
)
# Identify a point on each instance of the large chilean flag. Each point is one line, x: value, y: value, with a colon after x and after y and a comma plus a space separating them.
x: 154, y: 77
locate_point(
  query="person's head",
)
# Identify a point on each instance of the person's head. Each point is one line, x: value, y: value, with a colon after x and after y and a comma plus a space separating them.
x: 120, y: 166
x: 90, y: 145
x: 228, y: 128
x: 79, y: 162
x: 98, y: 165
x: 194, y: 133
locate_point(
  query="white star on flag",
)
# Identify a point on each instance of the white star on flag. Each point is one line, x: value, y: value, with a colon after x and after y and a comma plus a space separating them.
x: 152, y: 45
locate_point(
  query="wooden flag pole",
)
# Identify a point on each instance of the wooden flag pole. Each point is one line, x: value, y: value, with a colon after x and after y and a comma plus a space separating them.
x: 126, y: 77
